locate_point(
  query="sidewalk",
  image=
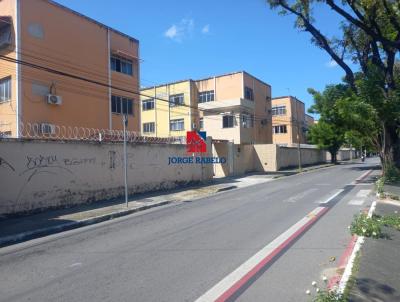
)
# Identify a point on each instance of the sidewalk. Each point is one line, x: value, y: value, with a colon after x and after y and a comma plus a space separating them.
x: 378, y: 276
x: 23, y: 228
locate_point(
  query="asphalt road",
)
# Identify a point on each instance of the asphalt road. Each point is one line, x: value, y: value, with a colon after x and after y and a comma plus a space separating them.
x: 181, y: 251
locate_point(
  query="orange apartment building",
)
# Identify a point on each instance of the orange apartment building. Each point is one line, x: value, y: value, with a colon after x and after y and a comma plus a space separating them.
x: 45, y: 33
x: 232, y: 107
x: 289, y: 121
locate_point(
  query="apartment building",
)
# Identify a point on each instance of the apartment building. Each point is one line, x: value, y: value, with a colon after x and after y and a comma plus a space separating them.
x: 289, y: 121
x: 169, y: 109
x: 231, y: 107
x: 45, y: 33
x: 309, y: 121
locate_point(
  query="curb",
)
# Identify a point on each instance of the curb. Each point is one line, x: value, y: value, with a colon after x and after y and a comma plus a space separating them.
x: 25, y: 236
x: 340, y: 282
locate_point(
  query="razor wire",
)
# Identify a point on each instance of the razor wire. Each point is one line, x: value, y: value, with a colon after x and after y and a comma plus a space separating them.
x: 59, y: 132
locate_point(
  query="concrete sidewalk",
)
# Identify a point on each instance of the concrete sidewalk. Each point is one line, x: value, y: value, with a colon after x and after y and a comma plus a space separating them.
x: 23, y: 228
x: 378, y: 276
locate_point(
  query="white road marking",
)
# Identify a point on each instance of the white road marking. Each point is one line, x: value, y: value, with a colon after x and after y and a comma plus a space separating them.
x: 360, y: 178
x: 76, y: 264
x: 226, y: 283
x: 349, y: 266
x: 356, y: 202
x: 363, y: 193
x: 331, y: 197
x: 299, y: 196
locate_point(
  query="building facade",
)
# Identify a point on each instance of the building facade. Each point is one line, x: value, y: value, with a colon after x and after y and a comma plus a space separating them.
x: 47, y: 34
x: 290, y: 123
x: 233, y: 107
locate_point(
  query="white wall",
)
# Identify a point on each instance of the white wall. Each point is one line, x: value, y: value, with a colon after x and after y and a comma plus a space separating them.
x: 41, y: 174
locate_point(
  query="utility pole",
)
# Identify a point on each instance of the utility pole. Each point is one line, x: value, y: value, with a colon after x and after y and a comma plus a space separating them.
x: 298, y: 135
x: 125, y: 124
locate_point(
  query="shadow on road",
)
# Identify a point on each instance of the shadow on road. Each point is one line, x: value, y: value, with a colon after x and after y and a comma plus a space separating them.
x: 370, y: 290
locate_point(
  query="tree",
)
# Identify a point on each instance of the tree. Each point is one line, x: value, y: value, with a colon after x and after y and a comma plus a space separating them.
x: 329, y: 132
x: 328, y: 137
x: 370, y: 38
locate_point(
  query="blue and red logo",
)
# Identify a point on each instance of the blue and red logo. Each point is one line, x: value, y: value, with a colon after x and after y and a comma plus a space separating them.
x: 196, y: 142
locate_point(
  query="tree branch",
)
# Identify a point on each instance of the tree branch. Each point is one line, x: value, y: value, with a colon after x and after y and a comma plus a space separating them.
x: 323, y: 42
x: 392, y: 19
x: 360, y: 24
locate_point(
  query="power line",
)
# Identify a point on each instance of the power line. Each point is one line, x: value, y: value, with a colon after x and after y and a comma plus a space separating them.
x: 95, y: 82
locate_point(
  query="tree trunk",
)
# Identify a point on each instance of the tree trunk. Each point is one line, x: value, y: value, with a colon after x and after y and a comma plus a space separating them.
x: 333, y: 156
x: 390, y: 149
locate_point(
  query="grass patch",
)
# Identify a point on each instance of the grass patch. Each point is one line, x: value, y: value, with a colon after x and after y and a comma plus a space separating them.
x: 363, y: 225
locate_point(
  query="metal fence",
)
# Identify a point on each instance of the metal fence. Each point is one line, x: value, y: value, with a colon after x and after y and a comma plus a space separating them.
x: 58, y: 132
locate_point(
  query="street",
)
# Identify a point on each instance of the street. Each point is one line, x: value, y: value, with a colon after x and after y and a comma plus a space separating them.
x: 182, y: 251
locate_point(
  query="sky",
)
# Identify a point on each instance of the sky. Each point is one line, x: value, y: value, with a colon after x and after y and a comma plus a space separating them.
x: 182, y: 39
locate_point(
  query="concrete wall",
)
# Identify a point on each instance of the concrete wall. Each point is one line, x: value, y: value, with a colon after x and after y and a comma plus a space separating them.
x: 262, y: 158
x: 288, y: 157
x: 36, y: 175
x: 243, y: 159
x: 224, y: 149
x: 343, y: 155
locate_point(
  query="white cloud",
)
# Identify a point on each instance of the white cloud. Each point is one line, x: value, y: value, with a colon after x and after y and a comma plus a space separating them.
x: 206, y: 29
x: 171, y: 32
x: 331, y: 64
x: 180, y: 31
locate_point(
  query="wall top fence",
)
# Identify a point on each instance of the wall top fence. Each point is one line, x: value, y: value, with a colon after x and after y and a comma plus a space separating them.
x: 43, y: 131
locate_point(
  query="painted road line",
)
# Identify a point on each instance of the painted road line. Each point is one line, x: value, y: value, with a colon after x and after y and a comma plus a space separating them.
x: 299, y: 196
x: 356, y: 202
x: 363, y: 193
x: 331, y: 197
x: 236, y: 280
x: 362, y: 177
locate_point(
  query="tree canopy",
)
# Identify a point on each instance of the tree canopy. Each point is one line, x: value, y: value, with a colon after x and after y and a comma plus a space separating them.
x: 370, y: 39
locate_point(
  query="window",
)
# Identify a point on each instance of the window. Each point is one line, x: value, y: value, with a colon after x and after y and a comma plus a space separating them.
x: 120, y: 104
x: 248, y: 93
x: 247, y: 121
x: 5, y: 89
x: 121, y: 65
x: 227, y: 121
x: 201, y: 123
x: 5, y: 32
x: 176, y: 100
x: 177, y: 125
x: 279, y: 110
x: 148, y: 127
x: 206, y: 96
x: 280, y: 129
x: 148, y: 104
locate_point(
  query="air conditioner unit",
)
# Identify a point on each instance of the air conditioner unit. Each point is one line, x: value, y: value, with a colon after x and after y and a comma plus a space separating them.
x: 54, y: 99
x: 46, y: 128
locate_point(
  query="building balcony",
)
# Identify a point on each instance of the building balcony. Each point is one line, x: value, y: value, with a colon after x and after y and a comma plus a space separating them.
x: 227, y: 105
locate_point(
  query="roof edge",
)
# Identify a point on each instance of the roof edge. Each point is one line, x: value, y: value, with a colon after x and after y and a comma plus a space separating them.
x: 91, y: 20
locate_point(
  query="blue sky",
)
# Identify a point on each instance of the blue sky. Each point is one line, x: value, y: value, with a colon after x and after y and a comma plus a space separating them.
x: 182, y: 39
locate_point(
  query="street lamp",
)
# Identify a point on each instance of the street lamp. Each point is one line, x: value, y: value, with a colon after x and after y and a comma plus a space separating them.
x: 125, y: 124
